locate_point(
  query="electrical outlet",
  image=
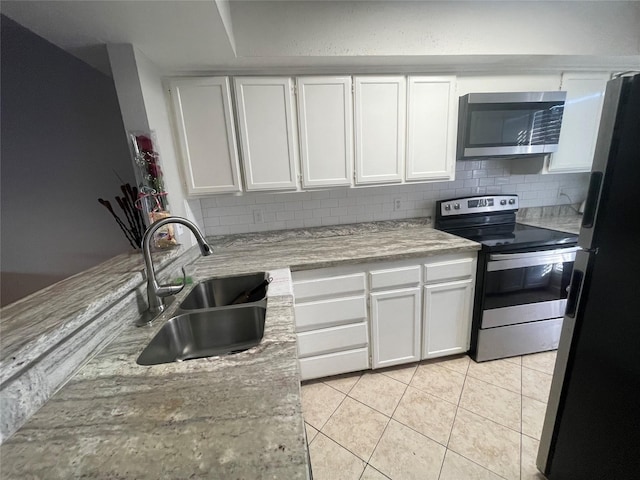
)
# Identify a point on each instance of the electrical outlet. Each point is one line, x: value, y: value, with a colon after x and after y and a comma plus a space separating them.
x: 397, y: 204
x: 258, y: 215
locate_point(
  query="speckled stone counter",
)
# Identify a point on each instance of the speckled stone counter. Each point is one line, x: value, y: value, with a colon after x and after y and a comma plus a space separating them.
x: 563, y: 217
x: 46, y: 336
x: 232, y: 417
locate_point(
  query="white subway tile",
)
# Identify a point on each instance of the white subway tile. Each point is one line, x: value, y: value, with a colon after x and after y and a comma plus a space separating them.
x: 293, y: 206
x: 294, y: 223
x: 364, y: 217
x: 338, y: 193
x: 496, y: 172
x: 356, y: 210
x: 280, y: 216
x: 312, y: 222
x: 208, y: 202
x: 320, y: 195
x: 321, y: 212
x: 310, y: 204
x: 274, y: 207
x: 349, y: 219
x: 485, y: 182
x: 528, y: 195
x: 329, y: 202
x: 330, y: 220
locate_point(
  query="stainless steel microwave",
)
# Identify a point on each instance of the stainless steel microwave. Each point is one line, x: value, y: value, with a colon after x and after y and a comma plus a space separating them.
x: 509, y: 124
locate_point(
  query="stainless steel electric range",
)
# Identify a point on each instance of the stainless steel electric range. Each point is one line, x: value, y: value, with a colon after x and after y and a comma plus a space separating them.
x: 522, y: 278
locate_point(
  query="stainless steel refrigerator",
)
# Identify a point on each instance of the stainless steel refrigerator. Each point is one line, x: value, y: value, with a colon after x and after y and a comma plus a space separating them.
x: 592, y: 424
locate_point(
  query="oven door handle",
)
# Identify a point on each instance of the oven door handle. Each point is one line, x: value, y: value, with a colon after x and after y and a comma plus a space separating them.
x: 509, y: 261
x: 539, y: 253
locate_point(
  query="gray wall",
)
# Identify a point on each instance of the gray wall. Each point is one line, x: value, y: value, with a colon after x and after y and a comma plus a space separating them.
x: 62, y: 139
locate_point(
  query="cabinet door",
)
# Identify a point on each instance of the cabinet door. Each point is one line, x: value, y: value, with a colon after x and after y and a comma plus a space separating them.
x: 206, y: 134
x: 432, y: 106
x: 580, y: 122
x: 325, y: 120
x: 267, y: 134
x: 380, y: 111
x: 447, y: 318
x: 395, y: 327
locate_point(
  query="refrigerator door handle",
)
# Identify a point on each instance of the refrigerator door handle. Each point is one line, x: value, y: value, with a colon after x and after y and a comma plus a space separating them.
x: 574, y: 290
x: 593, y: 196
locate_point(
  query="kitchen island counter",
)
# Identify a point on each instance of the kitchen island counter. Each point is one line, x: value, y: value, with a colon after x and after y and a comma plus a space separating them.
x: 237, y: 416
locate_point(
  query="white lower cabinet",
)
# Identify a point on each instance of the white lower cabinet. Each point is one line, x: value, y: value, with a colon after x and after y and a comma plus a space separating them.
x: 331, y: 322
x: 395, y: 327
x: 418, y: 308
x: 449, y: 283
x: 447, y: 318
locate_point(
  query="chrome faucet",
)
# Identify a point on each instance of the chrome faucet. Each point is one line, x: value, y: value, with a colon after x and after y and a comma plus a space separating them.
x: 156, y: 292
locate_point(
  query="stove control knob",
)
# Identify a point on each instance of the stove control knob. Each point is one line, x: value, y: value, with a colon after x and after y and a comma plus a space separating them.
x: 447, y: 207
x: 503, y: 202
x: 512, y: 201
x: 457, y: 206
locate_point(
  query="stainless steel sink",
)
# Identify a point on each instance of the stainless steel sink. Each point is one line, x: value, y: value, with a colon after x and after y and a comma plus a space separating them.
x: 222, y: 291
x: 205, y: 334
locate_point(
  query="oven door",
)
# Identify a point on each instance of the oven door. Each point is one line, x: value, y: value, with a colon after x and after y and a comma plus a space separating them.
x: 526, y: 287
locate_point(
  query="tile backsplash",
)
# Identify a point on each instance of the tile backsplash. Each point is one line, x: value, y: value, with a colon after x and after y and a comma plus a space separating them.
x: 254, y: 212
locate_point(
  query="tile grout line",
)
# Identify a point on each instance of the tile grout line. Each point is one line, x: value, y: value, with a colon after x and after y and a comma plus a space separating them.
x: 335, y: 409
x: 387, y: 426
x: 453, y: 423
x: 346, y: 395
x: 320, y: 432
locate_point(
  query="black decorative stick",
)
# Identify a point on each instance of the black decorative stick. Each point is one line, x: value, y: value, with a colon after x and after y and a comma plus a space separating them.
x: 127, y: 234
x: 133, y: 230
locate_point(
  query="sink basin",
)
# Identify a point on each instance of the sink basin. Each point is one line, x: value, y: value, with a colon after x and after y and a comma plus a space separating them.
x: 218, y: 292
x: 205, y: 334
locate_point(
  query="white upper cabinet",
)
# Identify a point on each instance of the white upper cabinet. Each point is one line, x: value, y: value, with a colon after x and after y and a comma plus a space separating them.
x: 580, y: 122
x: 325, y: 122
x: 267, y: 134
x: 432, y: 105
x: 206, y: 134
x: 380, y: 118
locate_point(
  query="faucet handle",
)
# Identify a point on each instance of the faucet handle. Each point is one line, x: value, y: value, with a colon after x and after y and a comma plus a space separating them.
x: 167, y: 290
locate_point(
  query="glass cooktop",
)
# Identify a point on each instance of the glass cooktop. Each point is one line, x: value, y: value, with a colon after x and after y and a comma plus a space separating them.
x: 515, y: 236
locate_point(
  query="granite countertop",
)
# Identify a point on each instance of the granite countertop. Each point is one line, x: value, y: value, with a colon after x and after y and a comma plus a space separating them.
x: 237, y: 416
x: 569, y: 223
x: 28, y: 329
x: 557, y: 217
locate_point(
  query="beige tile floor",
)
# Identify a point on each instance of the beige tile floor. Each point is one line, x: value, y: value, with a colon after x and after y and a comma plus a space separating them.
x: 446, y: 419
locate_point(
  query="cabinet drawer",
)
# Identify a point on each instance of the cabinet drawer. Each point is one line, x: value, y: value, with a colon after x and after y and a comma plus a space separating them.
x: 437, y: 272
x: 396, y: 277
x: 317, y: 342
x: 342, y: 286
x: 334, y: 363
x: 328, y: 313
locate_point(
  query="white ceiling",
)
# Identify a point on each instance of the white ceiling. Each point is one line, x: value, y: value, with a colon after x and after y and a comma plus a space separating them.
x: 215, y: 35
